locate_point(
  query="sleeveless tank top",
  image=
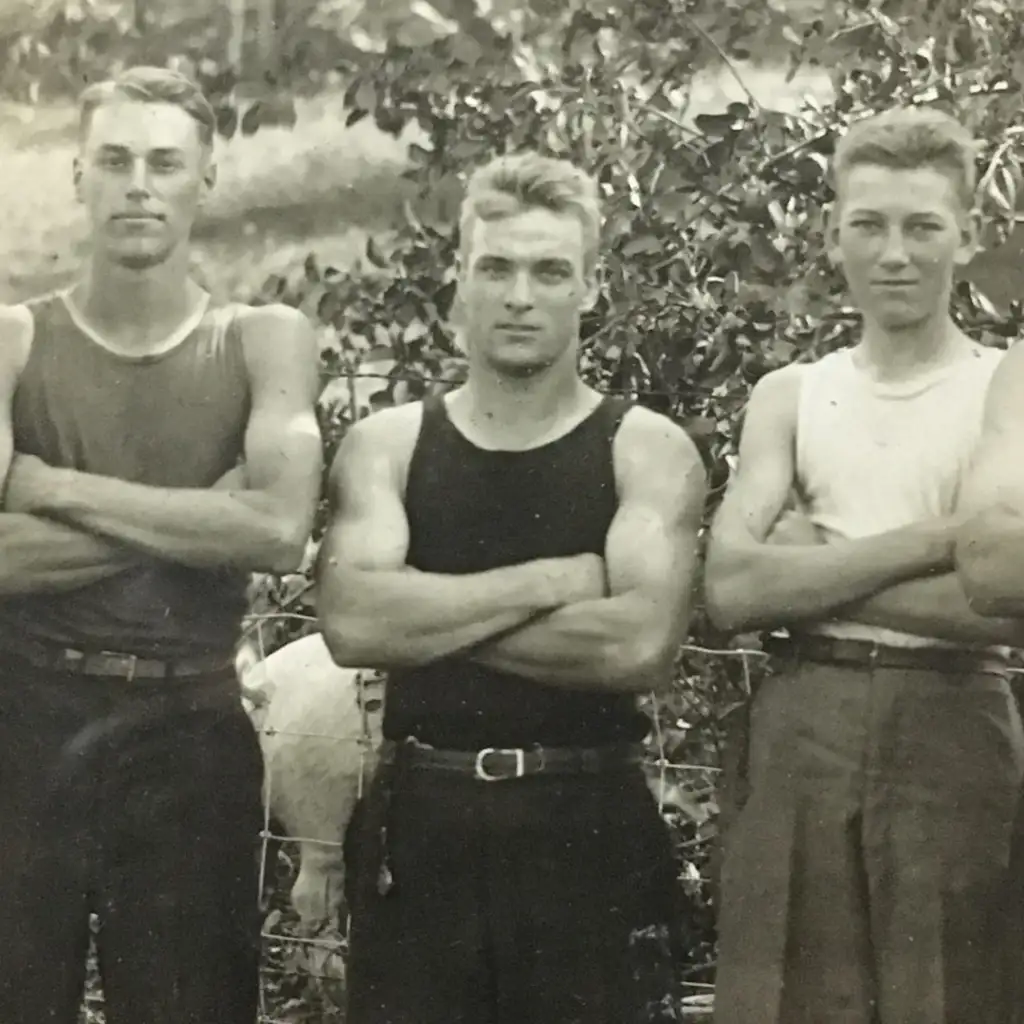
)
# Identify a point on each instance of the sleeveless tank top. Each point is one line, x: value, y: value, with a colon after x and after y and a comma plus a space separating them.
x: 176, y: 419
x: 873, y: 457
x: 471, y: 510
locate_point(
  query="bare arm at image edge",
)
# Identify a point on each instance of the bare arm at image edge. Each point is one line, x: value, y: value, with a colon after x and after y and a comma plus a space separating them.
x: 990, y: 544
x: 38, y: 555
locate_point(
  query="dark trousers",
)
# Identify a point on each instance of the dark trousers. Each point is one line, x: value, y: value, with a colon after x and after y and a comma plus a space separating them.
x: 544, y: 899
x: 864, y: 879
x: 140, y: 802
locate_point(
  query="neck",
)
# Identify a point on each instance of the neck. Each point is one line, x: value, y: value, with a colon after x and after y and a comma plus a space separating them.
x: 159, y: 295
x: 512, y: 403
x: 902, y: 353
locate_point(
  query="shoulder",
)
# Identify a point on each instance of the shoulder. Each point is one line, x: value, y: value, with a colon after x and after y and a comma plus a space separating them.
x: 774, y: 401
x: 1005, y: 392
x: 651, y: 449
x: 278, y: 343
x: 275, y: 327
x: 17, y: 327
x: 385, y: 438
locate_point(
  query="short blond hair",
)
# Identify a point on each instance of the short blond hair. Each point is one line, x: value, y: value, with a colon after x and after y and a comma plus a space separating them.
x: 146, y: 84
x: 523, y: 181
x: 908, y: 138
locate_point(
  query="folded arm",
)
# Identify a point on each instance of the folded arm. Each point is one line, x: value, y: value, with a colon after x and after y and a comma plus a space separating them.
x: 627, y: 640
x: 990, y: 545
x: 37, y: 555
x: 375, y: 610
x: 261, y: 527
x: 752, y: 584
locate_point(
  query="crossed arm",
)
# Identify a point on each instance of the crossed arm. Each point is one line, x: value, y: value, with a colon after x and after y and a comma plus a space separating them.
x: 63, y: 528
x: 581, y: 622
x: 752, y: 583
x: 990, y: 545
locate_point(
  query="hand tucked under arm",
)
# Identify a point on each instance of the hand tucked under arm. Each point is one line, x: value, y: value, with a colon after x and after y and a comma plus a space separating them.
x: 263, y: 527
x: 41, y: 556
x: 628, y: 640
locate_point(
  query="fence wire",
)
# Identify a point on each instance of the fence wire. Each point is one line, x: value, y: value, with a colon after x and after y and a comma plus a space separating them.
x: 320, y: 958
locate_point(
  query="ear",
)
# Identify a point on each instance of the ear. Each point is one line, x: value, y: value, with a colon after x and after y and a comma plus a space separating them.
x: 209, y: 178
x: 831, y: 230
x: 970, y: 236
x: 591, y: 290
x: 76, y: 177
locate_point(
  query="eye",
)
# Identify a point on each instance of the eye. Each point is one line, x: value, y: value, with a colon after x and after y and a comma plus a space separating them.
x: 165, y: 163
x: 552, y: 272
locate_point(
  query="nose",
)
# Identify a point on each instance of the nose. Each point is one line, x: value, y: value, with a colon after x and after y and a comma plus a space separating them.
x: 894, y: 252
x: 520, y: 292
x: 138, y: 184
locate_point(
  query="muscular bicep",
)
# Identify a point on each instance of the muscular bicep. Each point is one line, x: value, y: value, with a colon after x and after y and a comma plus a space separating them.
x: 652, y: 545
x: 15, y: 340
x: 367, y: 528
x: 283, y: 448
x: 765, y: 477
x: 995, y: 478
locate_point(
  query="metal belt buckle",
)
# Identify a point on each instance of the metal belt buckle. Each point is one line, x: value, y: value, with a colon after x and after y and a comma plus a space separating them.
x: 128, y: 662
x: 480, y: 771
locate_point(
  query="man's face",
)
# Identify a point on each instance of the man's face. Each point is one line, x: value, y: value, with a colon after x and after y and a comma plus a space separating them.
x: 523, y: 284
x: 898, y: 235
x: 142, y: 173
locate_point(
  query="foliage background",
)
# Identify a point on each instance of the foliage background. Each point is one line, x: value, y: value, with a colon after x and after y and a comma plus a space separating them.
x: 713, y: 267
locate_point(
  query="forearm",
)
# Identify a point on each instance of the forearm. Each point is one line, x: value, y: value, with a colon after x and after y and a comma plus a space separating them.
x: 990, y: 563
x: 202, y: 528
x: 759, y: 586
x: 935, y: 607
x: 400, y: 618
x: 41, y: 556
x: 604, y: 644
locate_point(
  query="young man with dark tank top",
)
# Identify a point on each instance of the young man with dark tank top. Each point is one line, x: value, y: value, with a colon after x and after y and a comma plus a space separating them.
x: 519, y: 556
x: 862, y: 879
x: 160, y: 450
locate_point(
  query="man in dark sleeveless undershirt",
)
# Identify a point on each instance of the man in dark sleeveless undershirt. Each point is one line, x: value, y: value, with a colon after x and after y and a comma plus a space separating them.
x: 160, y: 451
x: 518, y: 555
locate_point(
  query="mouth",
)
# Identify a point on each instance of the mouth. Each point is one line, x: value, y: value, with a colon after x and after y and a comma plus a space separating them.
x: 138, y: 218
x: 895, y: 284
x: 518, y: 328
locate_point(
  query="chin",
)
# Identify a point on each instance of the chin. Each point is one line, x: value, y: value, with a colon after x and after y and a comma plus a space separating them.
x: 140, y: 260
x: 520, y: 369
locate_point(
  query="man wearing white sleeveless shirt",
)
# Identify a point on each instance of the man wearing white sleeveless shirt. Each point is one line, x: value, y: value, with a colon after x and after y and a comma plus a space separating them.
x: 862, y: 880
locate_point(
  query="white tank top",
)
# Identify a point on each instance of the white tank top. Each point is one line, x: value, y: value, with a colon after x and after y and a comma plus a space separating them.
x: 873, y: 457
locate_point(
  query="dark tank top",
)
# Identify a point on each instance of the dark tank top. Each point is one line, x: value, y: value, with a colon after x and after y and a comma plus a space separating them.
x: 176, y: 419
x: 470, y: 510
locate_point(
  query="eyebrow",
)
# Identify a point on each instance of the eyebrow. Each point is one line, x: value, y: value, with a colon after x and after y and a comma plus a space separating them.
x: 541, y: 261
x: 112, y: 148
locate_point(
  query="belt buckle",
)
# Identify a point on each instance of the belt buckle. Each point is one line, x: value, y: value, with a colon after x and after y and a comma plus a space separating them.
x: 481, y: 772
x: 129, y: 662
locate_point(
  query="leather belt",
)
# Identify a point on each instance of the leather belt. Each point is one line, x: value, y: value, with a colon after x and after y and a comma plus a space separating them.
x: 496, y: 764
x: 869, y: 654
x: 112, y: 664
